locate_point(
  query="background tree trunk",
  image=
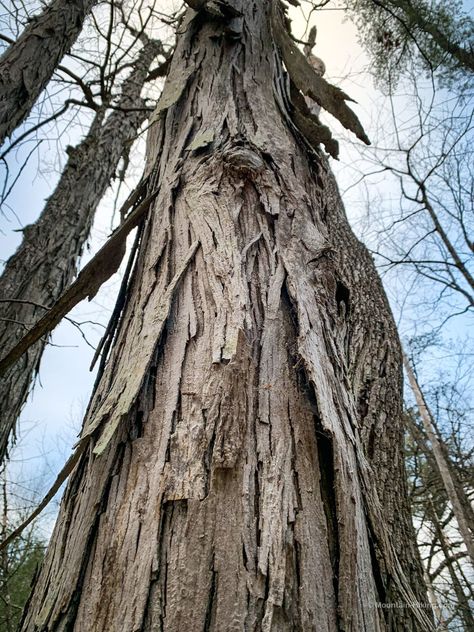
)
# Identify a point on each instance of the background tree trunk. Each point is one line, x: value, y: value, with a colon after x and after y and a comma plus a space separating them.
x: 245, y: 468
x: 464, y: 605
x: 28, y: 64
x: 45, y: 263
x: 441, y: 461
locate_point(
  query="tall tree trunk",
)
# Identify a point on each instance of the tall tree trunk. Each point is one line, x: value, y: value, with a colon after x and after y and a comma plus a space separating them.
x: 46, y: 260
x: 459, y: 468
x: 245, y: 466
x: 28, y: 64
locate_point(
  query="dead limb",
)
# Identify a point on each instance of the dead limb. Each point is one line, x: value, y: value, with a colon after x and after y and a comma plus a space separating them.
x: 101, y: 267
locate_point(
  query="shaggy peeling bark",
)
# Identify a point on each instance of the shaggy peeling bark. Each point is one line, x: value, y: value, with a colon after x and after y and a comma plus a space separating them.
x: 45, y: 263
x: 28, y: 64
x: 244, y: 469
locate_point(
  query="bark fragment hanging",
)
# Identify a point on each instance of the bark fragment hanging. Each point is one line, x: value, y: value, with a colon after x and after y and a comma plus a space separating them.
x: 329, y: 97
x: 99, y: 269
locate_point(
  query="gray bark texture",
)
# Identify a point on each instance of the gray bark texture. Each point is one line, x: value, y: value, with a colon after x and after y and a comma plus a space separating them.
x: 244, y: 470
x: 28, y: 64
x: 45, y: 263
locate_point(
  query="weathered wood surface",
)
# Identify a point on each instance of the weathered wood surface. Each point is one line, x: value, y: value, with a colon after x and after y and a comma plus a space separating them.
x: 245, y: 466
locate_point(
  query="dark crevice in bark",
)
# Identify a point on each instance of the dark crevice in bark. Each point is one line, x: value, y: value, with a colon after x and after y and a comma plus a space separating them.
x: 270, y: 161
x: 371, y: 443
x: 211, y: 602
x: 267, y: 587
x: 176, y: 415
x: 291, y: 309
x: 379, y: 581
x: 297, y: 553
x: 163, y: 544
x: 145, y: 625
x: 324, y: 212
x: 136, y: 427
x: 328, y: 495
x: 270, y: 433
x: 244, y: 558
x: 364, y: 397
x: 68, y: 617
x: 208, y: 457
x: 172, y: 511
x: 342, y: 299
x: 383, y: 364
x: 155, y: 576
x: 256, y: 505
x: 146, y: 400
x: 294, y: 468
x: 116, y: 470
x: 137, y: 542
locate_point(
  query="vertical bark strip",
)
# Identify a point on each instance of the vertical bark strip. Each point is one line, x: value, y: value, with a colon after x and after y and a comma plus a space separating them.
x: 46, y: 260
x: 28, y: 64
x: 245, y: 469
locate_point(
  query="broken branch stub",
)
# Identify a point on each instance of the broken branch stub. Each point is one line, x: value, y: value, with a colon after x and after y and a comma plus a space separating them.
x: 216, y: 8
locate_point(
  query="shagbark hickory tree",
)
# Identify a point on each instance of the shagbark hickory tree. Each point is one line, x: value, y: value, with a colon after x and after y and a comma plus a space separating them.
x: 243, y: 464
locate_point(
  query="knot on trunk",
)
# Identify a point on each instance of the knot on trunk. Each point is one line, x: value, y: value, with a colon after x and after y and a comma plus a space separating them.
x: 243, y: 159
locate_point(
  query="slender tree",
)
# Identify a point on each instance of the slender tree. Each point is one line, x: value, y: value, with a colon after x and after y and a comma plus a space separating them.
x: 447, y: 570
x: 462, y: 600
x: 441, y: 462
x: 241, y: 464
x: 29, y: 63
x: 46, y: 261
